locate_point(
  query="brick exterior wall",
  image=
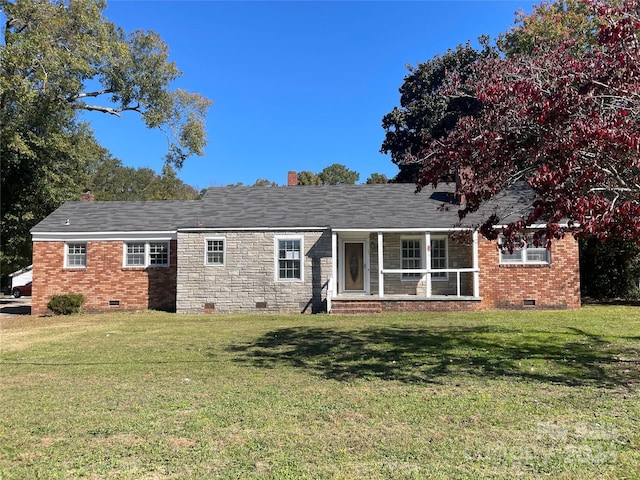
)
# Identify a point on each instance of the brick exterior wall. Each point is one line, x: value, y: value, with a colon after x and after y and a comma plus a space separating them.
x: 553, y: 286
x: 104, y: 279
x: 366, y: 307
x: 246, y: 283
x: 556, y: 285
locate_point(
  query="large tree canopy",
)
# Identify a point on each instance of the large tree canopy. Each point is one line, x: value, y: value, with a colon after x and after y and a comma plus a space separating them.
x: 109, y: 179
x: 57, y: 59
x: 424, y: 110
x: 334, y: 174
x: 563, y: 117
x: 551, y: 21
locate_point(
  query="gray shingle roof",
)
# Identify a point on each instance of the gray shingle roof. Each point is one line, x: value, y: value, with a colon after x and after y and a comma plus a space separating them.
x: 335, y: 206
x: 97, y: 217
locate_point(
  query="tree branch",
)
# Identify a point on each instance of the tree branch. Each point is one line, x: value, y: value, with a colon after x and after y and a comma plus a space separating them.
x: 111, y: 111
x: 73, y: 98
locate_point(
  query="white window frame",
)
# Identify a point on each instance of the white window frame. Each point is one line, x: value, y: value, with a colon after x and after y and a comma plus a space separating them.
x: 276, y: 253
x: 520, y: 256
x: 207, y: 251
x: 435, y: 276
x: 412, y: 277
x: 443, y: 276
x: 147, y: 254
x: 67, y: 255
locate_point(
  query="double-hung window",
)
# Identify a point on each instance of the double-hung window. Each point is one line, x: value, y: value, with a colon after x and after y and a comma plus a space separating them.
x: 214, y: 251
x: 158, y: 254
x: 528, y: 253
x: 411, y: 257
x: 146, y: 254
x: 76, y: 255
x: 439, y: 258
x: 289, y: 262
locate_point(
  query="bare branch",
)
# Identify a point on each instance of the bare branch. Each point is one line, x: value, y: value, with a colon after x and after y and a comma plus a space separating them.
x: 111, y: 111
x: 98, y: 108
x: 73, y: 98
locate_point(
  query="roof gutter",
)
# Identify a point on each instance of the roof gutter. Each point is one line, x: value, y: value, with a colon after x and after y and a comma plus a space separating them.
x: 159, y: 235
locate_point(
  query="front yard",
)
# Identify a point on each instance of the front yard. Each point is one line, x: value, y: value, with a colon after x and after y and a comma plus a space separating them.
x: 476, y: 395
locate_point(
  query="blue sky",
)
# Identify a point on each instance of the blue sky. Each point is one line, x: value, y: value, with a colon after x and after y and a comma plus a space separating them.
x: 296, y: 85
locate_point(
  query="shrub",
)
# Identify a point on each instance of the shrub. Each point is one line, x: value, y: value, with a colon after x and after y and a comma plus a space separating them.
x: 66, y: 304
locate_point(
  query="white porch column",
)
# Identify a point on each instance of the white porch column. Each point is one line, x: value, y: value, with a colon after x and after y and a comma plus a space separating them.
x: 476, y: 274
x: 380, y: 266
x: 334, y: 262
x: 427, y: 245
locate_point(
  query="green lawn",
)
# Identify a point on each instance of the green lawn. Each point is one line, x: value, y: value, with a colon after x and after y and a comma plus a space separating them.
x: 162, y: 396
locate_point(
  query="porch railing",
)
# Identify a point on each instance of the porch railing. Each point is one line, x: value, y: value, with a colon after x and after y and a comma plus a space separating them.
x: 428, y: 272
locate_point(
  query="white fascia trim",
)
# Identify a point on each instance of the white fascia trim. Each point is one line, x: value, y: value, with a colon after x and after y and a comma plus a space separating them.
x: 404, y: 230
x: 252, y: 229
x: 539, y: 225
x: 103, y: 236
x: 529, y: 227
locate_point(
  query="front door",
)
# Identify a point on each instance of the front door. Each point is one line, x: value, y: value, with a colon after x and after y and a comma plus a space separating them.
x: 354, y: 267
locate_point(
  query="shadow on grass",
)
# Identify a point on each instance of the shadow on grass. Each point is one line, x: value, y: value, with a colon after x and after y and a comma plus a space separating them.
x: 441, y: 354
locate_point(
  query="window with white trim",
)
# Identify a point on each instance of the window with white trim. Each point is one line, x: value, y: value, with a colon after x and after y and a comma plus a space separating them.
x: 528, y: 253
x: 158, y: 254
x: 214, y: 251
x: 439, y: 258
x: 289, y: 264
x: 411, y: 253
x: 412, y: 257
x: 146, y: 254
x: 76, y: 255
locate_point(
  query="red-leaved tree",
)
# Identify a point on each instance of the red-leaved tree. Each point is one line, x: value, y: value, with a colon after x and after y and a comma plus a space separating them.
x: 565, y: 120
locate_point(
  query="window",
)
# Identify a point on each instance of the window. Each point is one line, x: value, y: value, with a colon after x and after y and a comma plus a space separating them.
x: 158, y: 254
x: 411, y: 258
x: 289, y: 265
x: 76, y: 255
x: 153, y: 254
x: 439, y: 258
x: 135, y: 255
x: 528, y: 253
x: 214, y: 251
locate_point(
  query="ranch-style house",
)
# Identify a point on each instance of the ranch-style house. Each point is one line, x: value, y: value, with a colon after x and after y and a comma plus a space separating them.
x: 333, y: 248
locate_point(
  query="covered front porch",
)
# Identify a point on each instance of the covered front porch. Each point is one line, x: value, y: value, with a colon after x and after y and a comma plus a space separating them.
x: 403, y: 270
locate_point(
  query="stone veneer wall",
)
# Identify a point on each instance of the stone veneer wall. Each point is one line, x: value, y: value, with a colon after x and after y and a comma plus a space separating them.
x: 246, y: 282
x: 104, y: 279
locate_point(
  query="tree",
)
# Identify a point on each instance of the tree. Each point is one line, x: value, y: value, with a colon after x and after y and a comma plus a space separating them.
x: 61, y: 58
x: 609, y: 269
x: 563, y: 119
x: 338, y: 174
x: 424, y: 110
x: 377, y: 178
x: 307, y: 177
x: 109, y: 179
x: 551, y: 22
x: 263, y: 182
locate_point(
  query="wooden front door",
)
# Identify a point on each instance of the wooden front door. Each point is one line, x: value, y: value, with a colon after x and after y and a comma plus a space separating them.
x: 354, y: 266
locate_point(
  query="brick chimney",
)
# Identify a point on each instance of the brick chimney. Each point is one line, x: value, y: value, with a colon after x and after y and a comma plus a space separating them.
x: 292, y: 179
x: 87, y: 196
